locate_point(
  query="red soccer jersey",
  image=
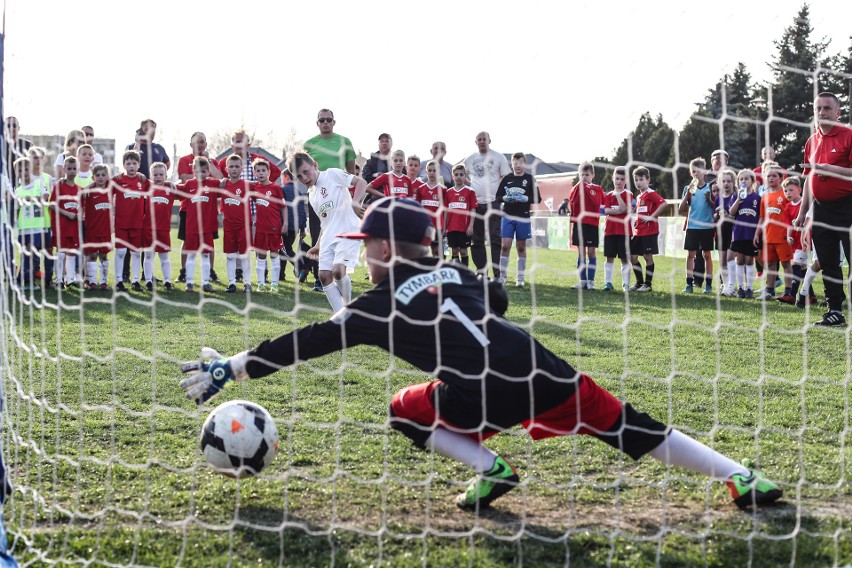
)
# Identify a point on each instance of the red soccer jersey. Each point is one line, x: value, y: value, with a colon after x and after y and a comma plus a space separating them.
x: 67, y: 198
x: 648, y: 202
x: 393, y: 185
x: 459, y: 202
x: 202, y: 207
x: 235, y: 204
x: 618, y: 224
x: 431, y: 198
x: 772, y: 206
x: 158, y: 213
x: 791, y: 211
x: 97, y: 211
x: 269, y: 206
x: 129, y: 201
x: 184, y: 167
x: 833, y: 148
x: 585, y: 203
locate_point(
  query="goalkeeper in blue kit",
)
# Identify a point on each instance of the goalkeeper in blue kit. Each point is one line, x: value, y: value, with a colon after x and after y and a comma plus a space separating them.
x: 491, y: 375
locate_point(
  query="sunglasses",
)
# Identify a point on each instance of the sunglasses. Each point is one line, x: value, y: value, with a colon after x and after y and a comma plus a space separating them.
x: 325, y: 120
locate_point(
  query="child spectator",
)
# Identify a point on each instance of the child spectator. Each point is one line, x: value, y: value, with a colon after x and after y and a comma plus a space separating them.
x: 646, y: 229
x: 772, y: 232
x: 793, y: 192
x: 297, y: 217
x: 96, y: 200
x: 269, y: 225
x: 65, y: 209
x: 31, y: 220
x: 725, y: 230
x: 85, y: 159
x: 430, y: 194
x: 516, y: 192
x: 617, y: 207
x: 43, y: 184
x: 128, y: 192
x: 461, y: 204
x: 412, y: 170
x: 201, y: 195
x: 157, y: 226
x: 585, y: 204
x: 806, y: 293
x: 697, y: 203
x: 236, y: 222
x: 745, y: 211
x: 394, y: 183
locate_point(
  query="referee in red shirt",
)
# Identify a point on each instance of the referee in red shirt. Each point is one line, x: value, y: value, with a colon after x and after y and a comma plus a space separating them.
x: 828, y: 183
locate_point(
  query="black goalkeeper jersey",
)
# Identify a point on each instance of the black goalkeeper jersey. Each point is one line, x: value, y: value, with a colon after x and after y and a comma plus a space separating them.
x: 514, y: 186
x: 436, y: 316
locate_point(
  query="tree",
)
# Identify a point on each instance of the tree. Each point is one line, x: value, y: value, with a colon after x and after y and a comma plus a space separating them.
x: 649, y: 144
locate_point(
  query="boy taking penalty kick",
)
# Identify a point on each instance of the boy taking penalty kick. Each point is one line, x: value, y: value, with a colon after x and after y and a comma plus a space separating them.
x: 491, y: 375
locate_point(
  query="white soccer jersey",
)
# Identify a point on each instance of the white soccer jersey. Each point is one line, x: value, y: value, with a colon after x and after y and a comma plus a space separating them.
x: 332, y: 202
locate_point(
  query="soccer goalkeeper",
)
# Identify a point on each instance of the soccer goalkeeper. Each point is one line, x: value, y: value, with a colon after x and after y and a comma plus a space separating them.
x: 491, y: 375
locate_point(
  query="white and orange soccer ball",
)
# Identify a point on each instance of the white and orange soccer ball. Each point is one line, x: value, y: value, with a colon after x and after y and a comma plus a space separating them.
x: 239, y: 438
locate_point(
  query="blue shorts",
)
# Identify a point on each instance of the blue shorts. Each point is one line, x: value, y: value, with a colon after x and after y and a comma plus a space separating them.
x: 515, y: 228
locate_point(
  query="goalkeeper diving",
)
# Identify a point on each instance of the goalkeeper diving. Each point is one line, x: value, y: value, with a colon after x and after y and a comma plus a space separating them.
x: 490, y: 374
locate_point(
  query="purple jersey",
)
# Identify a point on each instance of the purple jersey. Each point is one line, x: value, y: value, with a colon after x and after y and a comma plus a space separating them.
x: 747, y: 217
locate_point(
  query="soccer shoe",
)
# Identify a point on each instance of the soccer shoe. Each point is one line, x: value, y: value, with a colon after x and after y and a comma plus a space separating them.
x: 740, y: 293
x: 303, y: 275
x: 136, y: 287
x: 787, y: 299
x: 149, y: 286
x: 213, y: 276
x: 749, y: 294
x: 590, y: 285
x: 752, y: 489
x: 182, y: 276
x: 485, y: 488
x: 260, y: 287
x: 519, y: 284
x: 634, y: 288
x: 501, y: 281
x: 168, y: 286
x: 208, y: 287
x: 104, y: 286
x: 247, y: 287
x: 728, y: 292
x: 120, y: 287
x: 608, y: 287
x: 273, y: 288
x: 579, y: 286
x: 832, y: 319
x: 190, y: 288
x: 318, y: 285
x: 644, y: 288
x: 708, y: 289
x: 688, y: 289
x: 766, y: 296
x: 232, y: 288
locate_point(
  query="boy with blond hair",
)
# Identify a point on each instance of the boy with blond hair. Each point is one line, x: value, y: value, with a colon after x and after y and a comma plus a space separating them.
x: 157, y: 226
x: 617, y: 207
x: 585, y: 204
x: 394, y: 183
x: 236, y: 222
x: 65, y: 213
x: 96, y: 200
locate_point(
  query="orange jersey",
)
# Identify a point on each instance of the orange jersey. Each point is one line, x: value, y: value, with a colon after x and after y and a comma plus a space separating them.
x: 772, y: 207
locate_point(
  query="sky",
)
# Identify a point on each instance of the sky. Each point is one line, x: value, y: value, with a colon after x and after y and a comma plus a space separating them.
x: 566, y: 81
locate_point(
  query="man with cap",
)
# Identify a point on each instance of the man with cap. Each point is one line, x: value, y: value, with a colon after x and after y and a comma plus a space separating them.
x: 491, y: 375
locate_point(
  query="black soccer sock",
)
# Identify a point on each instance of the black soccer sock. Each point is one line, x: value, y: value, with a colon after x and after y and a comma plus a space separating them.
x: 649, y: 274
x: 637, y: 271
x: 708, y: 280
x: 798, y: 276
x: 811, y: 291
x: 465, y: 260
x: 689, y: 280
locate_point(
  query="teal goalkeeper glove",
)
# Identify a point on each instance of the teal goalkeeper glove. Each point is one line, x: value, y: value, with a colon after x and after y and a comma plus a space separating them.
x: 211, y: 373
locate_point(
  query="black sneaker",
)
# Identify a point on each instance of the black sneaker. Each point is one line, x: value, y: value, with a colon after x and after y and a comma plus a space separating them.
x: 801, y: 301
x: 190, y: 288
x: 149, y: 286
x: 168, y: 286
x: 120, y: 287
x: 232, y: 288
x: 832, y: 319
x: 182, y: 275
x: 318, y: 285
x: 136, y: 287
x: 239, y: 274
x: 213, y: 276
x: 208, y: 287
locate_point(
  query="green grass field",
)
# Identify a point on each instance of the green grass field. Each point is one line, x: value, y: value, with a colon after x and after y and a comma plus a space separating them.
x: 105, y: 462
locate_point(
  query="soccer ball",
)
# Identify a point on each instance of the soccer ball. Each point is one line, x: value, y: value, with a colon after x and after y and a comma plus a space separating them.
x: 239, y: 438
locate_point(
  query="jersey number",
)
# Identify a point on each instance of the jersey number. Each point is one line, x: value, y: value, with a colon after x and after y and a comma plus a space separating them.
x: 448, y: 305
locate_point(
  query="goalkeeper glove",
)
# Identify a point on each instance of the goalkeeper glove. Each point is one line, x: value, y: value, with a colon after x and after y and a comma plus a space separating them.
x: 211, y: 373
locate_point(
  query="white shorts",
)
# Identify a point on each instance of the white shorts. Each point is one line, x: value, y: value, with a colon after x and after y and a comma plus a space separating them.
x: 801, y: 257
x: 339, y: 251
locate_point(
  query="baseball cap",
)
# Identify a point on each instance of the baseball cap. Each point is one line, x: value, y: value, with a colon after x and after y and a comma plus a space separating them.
x: 403, y: 220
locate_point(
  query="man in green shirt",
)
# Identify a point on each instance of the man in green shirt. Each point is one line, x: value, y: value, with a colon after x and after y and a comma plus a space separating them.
x: 329, y: 150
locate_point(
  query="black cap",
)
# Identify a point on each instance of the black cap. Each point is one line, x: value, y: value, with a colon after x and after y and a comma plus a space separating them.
x: 402, y: 220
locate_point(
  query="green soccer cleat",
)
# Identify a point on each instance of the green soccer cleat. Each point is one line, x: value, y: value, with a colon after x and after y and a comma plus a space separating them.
x: 753, y: 489
x: 483, y: 489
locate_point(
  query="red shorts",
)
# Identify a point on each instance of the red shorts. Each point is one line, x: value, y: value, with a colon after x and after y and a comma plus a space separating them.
x: 128, y: 238
x: 198, y: 243
x: 67, y: 242
x: 267, y: 242
x: 97, y: 244
x: 234, y: 241
x: 161, y: 240
x: 776, y: 252
x: 589, y: 410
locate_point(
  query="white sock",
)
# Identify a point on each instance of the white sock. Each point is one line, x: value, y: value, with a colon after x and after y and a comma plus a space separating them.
x: 332, y: 292
x: 741, y: 276
x: 808, y: 281
x: 723, y: 268
x: 231, y: 267
x: 732, y: 274
x: 245, y: 264
x: 522, y: 268
x: 681, y: 450
x: 345, y: 287
x: 148, y: 266
x: 749, y: 276
x: 275, y: 273
x: 119, y: 263
x: 59, y: 269
x: 260, y: 268
x: 461, y: 448
x: 190, y: 268
x: 504, y: 266
x: 92, y: 271
x: 70, y: 268
x: 135, y: 264
x: 608, y: 268
x: 205, y: 269
x: 626, y: 271
x: 104, y: 271
x: 166, y: 265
